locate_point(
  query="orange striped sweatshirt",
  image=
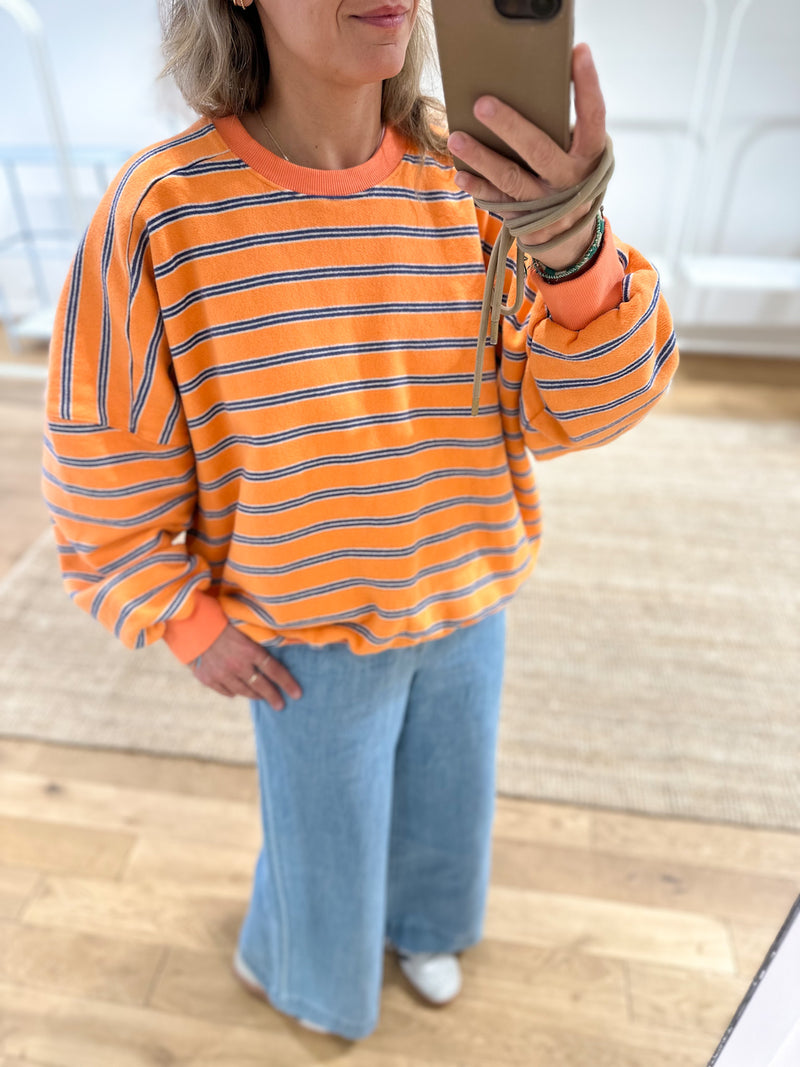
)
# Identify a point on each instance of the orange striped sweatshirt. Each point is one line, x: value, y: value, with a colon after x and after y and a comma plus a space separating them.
x: 258, y: 406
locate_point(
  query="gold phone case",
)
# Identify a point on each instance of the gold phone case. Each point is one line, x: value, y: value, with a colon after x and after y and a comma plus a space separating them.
x: 526, y: 62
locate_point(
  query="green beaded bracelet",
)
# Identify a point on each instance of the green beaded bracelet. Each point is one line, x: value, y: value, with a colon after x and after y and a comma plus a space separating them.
x: 547, y: 274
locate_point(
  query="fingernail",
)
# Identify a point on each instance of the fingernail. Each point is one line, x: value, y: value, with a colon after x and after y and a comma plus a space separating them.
x: 455, y: 142
x: 485, y: 107
x: 460, y: 180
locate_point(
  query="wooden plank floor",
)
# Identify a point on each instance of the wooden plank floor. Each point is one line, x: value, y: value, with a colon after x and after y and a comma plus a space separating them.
x: 612, y: 940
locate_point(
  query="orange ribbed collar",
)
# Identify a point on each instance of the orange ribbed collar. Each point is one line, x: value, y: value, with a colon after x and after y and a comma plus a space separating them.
x: 307, y: 180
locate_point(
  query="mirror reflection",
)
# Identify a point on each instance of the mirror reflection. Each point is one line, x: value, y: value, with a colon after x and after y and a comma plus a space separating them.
x: 399, y: 552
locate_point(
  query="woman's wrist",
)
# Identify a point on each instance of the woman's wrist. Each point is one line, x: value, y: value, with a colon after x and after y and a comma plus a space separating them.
x: 578, y: 262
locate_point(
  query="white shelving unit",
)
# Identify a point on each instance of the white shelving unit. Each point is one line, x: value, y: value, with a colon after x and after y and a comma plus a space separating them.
x: 699, y: 265
x: 698, y: 91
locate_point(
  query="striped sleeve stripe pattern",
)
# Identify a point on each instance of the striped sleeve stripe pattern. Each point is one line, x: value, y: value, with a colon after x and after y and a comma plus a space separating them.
x: 583, y: 392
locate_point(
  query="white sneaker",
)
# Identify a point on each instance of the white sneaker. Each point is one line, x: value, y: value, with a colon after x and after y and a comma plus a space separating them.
x: 313, y: 1026
x: 251, y: 983
x: 436, y: 976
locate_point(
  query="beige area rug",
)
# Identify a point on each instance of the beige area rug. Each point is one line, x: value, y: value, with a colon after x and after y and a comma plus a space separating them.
x: 653, y: 661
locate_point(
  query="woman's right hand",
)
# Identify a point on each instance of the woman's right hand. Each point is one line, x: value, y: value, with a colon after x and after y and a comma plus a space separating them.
x: 235, y: 665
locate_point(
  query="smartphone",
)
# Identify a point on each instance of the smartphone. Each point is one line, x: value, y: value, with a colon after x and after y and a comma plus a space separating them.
x: 517, y: 50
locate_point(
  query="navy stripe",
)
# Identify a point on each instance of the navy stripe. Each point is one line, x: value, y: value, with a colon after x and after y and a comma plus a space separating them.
x: 128, y: 557
x: 391, y: 583
x: 131, y: 605
x: 630, y: 419
x: 305, y: 355
x: 332, y: 459
x: 142, y: 519
x: 105, y: 259
x: 88, y: 577
x: 514, y: 357
x: 548, y: 384
x: 363, y: 385
x: 636, y: 414
x: 564, y: 450
x: 212, y: 164
x: 287, y: 504
x: 609, y: 346
x: 448, y: 623
x: 579, y: 413
x: 314, y: 233
x: 314, y: 274
x: 143, y: 565
x: 198, y: 209
x: 401, y: 192
x: 373, y: 523
x: 113, y: 459
x: 184, y: 594
x: 133, y: 489
x: 375, y: 553
x: 104, y: 359
x: 321, y: 315
x: 428, y: 161
x: 148, y: 374
x: 311, y: 429
x: 277, y: 198
x: 371, y: 608
x: 201, y: 166
x: 78, y: 427
x: 68, y: 349
x: 171, y: 420
x: 271, y: 199
x: 128, y: 572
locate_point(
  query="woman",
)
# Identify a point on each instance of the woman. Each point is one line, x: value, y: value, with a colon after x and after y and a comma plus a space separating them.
x: 260, y: 450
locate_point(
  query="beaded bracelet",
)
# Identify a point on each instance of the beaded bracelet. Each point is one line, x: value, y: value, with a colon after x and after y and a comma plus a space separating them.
x: 547, y: 274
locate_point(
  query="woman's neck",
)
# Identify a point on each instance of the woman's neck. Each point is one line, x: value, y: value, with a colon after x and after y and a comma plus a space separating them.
x: 318, y: 127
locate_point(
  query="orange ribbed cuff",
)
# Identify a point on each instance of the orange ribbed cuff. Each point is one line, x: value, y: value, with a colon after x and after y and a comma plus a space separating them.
x: 188, y: 638
x: 574, y: 303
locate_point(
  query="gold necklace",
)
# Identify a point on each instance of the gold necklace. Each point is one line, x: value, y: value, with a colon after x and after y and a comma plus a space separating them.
x: 272, y: 137
x: 275, y: 141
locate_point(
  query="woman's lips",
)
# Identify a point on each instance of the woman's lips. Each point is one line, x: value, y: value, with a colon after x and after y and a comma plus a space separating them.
x: 387, y: 18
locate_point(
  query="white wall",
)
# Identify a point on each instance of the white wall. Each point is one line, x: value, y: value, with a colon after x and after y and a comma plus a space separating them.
x: 739, y: 198
x: 106, y: 60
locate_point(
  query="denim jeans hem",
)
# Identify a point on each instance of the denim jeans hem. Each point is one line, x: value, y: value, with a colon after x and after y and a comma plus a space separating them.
x: 299, y: 1008
x: 412, y: 936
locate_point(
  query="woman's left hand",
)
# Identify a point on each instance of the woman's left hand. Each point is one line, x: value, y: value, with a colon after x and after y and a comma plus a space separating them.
x: 505, y: 180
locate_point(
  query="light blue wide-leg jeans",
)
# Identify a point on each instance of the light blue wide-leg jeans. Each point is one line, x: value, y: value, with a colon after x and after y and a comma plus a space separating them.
x: 377, y: 793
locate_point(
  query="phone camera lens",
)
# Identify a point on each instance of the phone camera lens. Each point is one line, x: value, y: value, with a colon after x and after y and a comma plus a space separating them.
x: 528, y: 9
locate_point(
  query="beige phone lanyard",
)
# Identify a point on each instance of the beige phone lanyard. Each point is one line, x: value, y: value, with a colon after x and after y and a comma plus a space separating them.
x: 538, y: 215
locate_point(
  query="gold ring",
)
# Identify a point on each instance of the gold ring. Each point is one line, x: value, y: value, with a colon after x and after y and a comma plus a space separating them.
x: 253, y: 677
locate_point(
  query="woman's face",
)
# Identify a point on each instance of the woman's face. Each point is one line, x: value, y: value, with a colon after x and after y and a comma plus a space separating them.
x: 344, y: 42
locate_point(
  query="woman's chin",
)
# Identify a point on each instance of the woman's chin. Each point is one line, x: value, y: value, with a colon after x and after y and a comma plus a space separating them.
x: 383, y: 67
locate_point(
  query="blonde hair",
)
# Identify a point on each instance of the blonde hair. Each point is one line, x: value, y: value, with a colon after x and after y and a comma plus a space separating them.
x: 217, y: 56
